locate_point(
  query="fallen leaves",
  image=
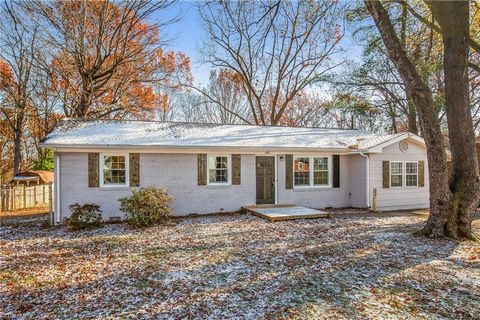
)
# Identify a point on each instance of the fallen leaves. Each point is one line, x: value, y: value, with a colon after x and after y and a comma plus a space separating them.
x: 239, y: 267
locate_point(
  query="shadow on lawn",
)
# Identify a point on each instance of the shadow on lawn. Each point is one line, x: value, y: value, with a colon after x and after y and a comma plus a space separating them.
x: 263, y: 272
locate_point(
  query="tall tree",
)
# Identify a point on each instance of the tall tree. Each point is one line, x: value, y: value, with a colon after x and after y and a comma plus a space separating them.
x: 445, y: 199
x: 465, y: 183
x: 106, y: 55
x: 277, y: 47
x: 18, y: 45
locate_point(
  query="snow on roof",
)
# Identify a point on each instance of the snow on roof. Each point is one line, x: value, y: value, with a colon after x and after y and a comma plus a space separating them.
x: 83, y: 133
x: 375, y: 141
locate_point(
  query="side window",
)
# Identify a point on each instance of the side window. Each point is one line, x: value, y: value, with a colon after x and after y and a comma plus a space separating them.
x: 218, y: 169
x: 411, y: 174
x: 114, y: 169
x: 301, y: 170
x: 320, y: 171
x: 396, y: 174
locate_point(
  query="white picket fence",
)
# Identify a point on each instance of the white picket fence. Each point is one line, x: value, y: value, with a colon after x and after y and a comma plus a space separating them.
x: 26, y: 198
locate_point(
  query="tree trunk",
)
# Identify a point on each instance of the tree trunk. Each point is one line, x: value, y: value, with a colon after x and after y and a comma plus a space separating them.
x: 465, y: 184
x: 17, y: 143
x: 412, y: 118
x: 440, y: 195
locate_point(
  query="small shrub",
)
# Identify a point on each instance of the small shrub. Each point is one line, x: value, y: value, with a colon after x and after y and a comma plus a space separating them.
x: 86, y: 216
x: 146, y: 207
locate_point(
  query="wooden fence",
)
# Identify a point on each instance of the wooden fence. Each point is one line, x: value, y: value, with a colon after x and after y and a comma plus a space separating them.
x: 26, y: 198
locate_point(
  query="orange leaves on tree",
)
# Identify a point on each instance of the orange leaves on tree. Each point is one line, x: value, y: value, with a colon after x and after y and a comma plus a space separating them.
x: 120, y: 68
x: 6, y: 75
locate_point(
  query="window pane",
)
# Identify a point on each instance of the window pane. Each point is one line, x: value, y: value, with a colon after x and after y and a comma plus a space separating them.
x: 302, y: 165
x: 221, y: 162
x: 411, y: 167
x: 320, y: 163
x: 212, y: 163
x: 411, y: 180
x: 108, y: 162
x: 396, y: 180
x: 396, y: 168
x: 320, y: 178
x: 107, y: 176
x: 212, y: 174
x: 302, y: 178
x: 222, y: 176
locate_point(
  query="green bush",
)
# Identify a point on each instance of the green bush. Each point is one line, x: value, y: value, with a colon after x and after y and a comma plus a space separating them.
x: 46, y: 161
x: 146, y: 207
x: 86, y: 216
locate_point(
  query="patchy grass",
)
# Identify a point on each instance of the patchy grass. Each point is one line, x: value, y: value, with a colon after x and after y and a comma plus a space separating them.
x: 239, y: 266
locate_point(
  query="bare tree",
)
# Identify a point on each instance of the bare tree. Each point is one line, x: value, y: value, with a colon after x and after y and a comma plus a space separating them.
x: 465, y: 182
x: 225, y: 101
x: 17, y: 56
x: 451, y: 205
x: 276, y: 47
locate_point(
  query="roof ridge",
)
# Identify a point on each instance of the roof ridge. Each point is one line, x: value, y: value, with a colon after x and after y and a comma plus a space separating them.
x: 205, y: 123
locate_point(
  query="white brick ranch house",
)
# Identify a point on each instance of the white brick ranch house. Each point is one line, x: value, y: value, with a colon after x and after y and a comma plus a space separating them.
x: 213, y: 168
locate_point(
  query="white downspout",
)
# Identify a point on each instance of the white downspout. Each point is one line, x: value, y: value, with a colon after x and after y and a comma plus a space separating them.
x: 57, y: 209
x: 368, y: 177
x: 276, y: 177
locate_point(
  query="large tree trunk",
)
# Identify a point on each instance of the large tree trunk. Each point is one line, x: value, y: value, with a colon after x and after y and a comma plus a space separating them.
x: 440, y: 195
x: 465, y: 183
x: 412, y: 118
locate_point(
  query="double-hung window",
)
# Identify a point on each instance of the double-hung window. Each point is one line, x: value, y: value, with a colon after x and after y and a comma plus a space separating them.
x: 320, y: 171
x: 219, y: 169
x: 396, y: 174
x: 403, y: 174
x: 114, y: 170
x: 311, y: 171
x: 411, y: 174
x: 302, y: 172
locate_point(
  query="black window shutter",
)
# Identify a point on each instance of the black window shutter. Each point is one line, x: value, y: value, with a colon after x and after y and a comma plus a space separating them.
x: 289, y: 171
x: 336, y: 171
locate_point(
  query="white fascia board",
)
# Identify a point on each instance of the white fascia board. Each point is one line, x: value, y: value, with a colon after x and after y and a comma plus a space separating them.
x: 194, y: 149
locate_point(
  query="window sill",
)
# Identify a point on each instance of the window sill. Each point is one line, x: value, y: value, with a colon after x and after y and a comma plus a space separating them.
x: 115, y: 188
x: 409, y: 187
x: 301, y: 189
x: 219, y: 186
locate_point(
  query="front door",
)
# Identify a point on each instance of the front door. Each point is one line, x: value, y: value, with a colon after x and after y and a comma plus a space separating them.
x: 265, y: 180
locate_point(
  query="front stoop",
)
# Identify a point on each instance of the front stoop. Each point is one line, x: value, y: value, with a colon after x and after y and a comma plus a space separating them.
x: 284, y: 212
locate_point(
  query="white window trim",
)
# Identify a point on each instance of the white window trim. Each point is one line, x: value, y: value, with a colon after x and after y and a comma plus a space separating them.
x: 416, y: 186
x: 127, y: 170
x: 229, y: 170
x: 313, y: 186
x: 404, y: 174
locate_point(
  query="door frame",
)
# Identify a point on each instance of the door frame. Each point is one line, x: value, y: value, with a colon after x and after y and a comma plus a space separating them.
x: 275, y: 181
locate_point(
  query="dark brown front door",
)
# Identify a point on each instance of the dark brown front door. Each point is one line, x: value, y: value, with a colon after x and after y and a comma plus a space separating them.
x: 265, y: 180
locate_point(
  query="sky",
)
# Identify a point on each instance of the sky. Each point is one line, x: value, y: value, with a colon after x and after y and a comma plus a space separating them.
x: 187, y: 36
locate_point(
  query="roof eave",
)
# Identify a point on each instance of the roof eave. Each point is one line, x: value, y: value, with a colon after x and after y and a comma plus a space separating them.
x: 173, y: 148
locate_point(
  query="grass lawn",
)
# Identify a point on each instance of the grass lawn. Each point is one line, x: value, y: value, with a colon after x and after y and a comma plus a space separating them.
x: 239, y: 266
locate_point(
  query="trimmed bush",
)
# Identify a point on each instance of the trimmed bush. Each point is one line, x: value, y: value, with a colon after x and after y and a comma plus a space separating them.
x: 86, y: 216
x: 146, y: 207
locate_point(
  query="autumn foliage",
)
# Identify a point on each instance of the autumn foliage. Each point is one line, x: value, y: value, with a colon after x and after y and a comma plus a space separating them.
x: 115, y: 71
x: 80, y: 59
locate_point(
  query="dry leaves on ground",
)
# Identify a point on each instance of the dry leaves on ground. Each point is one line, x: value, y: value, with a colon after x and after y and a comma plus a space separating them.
x: 239, y: 266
